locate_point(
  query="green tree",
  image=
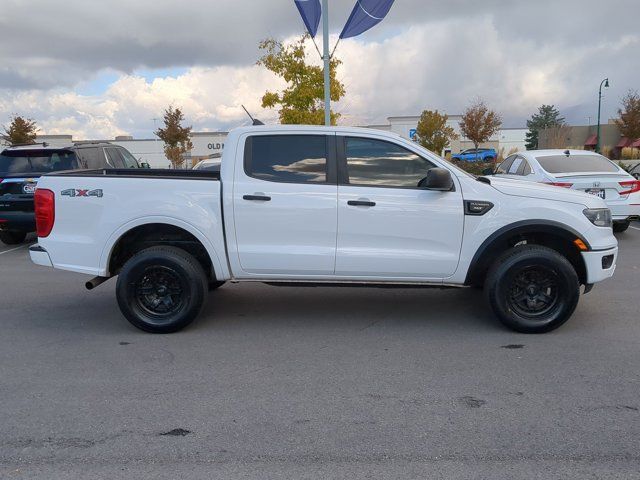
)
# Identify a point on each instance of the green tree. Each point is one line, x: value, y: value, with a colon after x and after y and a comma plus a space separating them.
x: 629, y: 121
x: 176, y: 138
x: 302, y: 102
x: 433, y: 133
x: 548, y: 116
x: 21, y: 131
x: 479, y: 123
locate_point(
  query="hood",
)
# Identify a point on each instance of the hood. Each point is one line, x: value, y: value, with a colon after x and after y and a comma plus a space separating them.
x: 523, y: 188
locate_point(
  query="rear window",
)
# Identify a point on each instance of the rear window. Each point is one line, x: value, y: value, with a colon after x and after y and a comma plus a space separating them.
x: 576, y: 163
x: 37, y: 161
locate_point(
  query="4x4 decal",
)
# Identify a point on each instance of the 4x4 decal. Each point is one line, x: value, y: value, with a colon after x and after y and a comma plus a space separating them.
x: 78, y: 192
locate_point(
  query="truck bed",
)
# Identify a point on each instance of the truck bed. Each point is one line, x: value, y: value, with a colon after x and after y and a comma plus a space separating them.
x: 141, y: 173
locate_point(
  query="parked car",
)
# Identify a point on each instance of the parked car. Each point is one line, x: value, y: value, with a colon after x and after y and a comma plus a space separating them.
x: 212, y: 163
x: 581, y: 170
x: 473, y: 155
x: 22, y: 166
x: 323, y: 206
x: 635, y: 171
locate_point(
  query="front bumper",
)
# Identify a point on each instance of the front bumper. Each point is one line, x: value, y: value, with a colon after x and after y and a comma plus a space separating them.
x: 39, y: 256
x: 599, y: 264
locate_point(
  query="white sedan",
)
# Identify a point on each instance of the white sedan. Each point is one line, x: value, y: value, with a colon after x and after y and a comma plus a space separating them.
x: 579, y: 170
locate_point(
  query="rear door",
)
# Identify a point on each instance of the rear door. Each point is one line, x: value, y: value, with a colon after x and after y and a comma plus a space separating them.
x: 388, y: 227
x: 285, y: 205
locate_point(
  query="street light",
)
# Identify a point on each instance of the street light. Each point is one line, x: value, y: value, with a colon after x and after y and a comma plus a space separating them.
x: 604, y: 82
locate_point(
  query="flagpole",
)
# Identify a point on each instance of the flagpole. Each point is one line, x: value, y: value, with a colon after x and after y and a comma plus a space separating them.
x: 326, y: 56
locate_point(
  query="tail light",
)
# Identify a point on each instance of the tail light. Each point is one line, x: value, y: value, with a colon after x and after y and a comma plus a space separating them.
x: 45, y: 207
x: 560, y: 184
x: 633, y: 186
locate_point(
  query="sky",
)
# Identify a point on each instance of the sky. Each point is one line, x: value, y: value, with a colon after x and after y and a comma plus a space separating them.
x: 97, y: 69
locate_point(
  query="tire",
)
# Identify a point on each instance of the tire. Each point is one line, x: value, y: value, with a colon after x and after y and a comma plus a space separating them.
x: 532, y: 289
x: 161, y: 289
x: 215, y: 285
x: 12, y: 238
x: 619, y: 227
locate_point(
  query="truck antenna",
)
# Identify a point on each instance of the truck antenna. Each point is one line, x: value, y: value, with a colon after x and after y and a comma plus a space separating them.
x: 254, y: 121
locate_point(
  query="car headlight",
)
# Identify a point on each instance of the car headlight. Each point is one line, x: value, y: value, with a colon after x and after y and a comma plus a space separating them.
x: 600, y: 217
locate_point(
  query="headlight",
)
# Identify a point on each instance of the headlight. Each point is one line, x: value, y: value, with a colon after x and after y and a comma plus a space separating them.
x: 600, y: 217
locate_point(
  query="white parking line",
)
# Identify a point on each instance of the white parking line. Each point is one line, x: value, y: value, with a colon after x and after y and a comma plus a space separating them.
x: 635, y: 228
x: 14, y: 249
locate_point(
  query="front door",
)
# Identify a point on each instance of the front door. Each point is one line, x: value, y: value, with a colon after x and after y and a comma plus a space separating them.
x: 387, y: 226
x: 285, y: 205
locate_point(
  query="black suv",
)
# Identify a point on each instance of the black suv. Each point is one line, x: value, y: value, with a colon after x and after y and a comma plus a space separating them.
x: 21, y: 166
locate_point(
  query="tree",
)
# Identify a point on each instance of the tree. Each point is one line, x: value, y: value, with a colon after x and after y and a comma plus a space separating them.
x: 302, y: 102
x: 176, y: 138
x: 548, y: 116
x: 479, y: 123
x: 21, y: 131
x: 433, y: 133
x: 629, y: 121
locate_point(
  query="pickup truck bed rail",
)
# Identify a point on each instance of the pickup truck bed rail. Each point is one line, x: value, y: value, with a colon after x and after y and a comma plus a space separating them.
x: 141, y: 173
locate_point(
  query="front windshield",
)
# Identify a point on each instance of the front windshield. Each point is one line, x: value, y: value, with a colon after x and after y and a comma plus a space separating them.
x: 37, y: 161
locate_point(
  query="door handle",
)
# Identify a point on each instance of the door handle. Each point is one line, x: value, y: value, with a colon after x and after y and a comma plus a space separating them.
x: 361, y: 203
x: 257, y: 198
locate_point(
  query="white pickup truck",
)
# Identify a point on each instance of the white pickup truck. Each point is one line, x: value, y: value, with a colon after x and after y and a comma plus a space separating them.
x: 323, y: 205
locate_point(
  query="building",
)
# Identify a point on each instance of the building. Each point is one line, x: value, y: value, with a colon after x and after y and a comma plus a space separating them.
x: 509, y: 139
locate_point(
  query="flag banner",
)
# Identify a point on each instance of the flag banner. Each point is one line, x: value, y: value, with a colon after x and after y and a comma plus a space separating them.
x: 366, y: 14
x: 310, y: 11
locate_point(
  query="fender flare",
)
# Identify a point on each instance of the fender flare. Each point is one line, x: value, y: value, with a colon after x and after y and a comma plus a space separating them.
x: 479, y: 262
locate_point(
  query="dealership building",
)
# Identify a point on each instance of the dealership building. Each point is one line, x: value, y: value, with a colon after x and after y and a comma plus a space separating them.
x: 208, y: 144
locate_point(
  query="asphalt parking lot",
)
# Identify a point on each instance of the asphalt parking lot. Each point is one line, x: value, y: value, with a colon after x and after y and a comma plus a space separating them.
x: 316, y: 383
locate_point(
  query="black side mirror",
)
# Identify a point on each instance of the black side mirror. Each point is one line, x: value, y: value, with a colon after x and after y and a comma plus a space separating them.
x: 488, y: 171
x: 145, y: 165
x: 437, y: 179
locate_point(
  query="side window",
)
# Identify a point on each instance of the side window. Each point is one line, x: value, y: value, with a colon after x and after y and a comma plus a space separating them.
x: 504, y: 166
x: 513, y: 169
x: 129, y: 160
x: 383, y: 164
x: 287, y: 158
x: 114, y: 157
x: 525, y: 168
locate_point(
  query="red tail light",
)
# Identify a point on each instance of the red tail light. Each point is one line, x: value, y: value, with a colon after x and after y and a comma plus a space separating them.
x: 45, y: 207
x: 632, y: 185
x: 560, y: 184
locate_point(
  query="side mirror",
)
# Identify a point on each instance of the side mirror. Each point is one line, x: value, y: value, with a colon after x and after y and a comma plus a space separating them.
x: 145, y: 165
x: 488, y: 171
x: 438, y: 179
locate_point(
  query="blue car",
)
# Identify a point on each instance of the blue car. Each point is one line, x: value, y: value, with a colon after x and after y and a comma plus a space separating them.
x: 473, y: 155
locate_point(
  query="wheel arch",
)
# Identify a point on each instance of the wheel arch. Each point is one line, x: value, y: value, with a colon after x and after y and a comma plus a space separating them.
x: 548, y: 233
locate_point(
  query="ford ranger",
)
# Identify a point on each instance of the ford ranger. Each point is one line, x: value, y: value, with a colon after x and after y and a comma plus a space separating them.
x: 300, y: 205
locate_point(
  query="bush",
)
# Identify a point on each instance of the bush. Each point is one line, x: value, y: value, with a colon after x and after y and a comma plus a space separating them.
x: 475, y: 168
x: 629, y: 153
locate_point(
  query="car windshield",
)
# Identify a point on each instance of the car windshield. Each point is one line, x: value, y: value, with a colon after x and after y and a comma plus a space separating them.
x: 576, y: 163
x: 36, y: 161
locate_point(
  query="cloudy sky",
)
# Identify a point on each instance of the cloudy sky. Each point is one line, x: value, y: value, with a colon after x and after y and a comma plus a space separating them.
x: 104, y: 68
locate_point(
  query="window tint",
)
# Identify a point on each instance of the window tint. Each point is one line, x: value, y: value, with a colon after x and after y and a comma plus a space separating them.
x: 576, y: 163
x: 513, y: 169
x: 115, y: 159
x: 129, y: 160
x: 16, y: 162
x: 504, y: 166
x: 384, y: 164
x: 287, y: 158
x: 525, y: 168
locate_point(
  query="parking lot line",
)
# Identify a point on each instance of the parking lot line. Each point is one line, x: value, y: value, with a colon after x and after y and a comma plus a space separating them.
x: 14, y: 249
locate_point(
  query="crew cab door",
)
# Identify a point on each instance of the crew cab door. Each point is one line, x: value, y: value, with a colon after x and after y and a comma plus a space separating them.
x: 388, y: 227
x: 285, y: 204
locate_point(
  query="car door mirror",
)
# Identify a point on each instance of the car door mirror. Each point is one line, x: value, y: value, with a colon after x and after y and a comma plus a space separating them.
x: 144, y: 165
x: 488, y: 171
x: 438, y: 179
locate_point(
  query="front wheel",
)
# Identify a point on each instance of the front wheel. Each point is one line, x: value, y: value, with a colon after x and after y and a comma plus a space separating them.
x: 12, y: 238
x: 532, y: 289
x: 619, y: 227
x: 161, y: 289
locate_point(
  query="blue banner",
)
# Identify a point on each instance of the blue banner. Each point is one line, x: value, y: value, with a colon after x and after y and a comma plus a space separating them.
x: 310, y: 11
x: 366, y: 14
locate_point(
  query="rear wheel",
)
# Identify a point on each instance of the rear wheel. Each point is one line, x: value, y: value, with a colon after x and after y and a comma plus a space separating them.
x: 161, y: 289
x: 532, y: 289
x: 619, y: 227
x: 12, y: 238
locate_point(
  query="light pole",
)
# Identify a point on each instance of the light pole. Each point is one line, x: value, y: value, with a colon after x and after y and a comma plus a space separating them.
x: 604, y: 82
